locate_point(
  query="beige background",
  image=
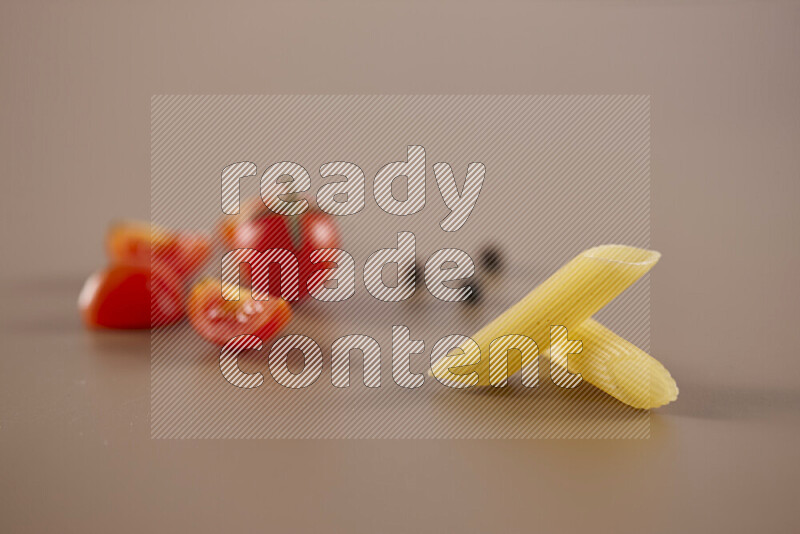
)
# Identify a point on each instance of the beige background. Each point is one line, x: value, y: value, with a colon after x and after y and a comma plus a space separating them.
x: 76, y: 80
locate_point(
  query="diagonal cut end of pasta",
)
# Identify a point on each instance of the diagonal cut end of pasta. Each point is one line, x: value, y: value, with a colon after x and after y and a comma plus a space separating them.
x: 630, y: 257
x: 620, y: 368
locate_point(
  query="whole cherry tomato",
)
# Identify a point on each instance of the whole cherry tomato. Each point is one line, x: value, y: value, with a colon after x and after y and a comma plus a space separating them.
x: 132, y: 296
x: 218, y: 320
x: 258, y: 228
x: 131, y: 242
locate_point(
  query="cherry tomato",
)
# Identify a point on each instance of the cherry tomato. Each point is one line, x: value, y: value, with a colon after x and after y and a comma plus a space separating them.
x: 131, y: 296
x: 258, y: 228
x: 139, y: 242
x: 218, y: 320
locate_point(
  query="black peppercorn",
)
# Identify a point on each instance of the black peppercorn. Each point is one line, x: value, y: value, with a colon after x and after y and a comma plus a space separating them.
x: 475, y: 296
x: 413, y: 275
x: 491, y: 259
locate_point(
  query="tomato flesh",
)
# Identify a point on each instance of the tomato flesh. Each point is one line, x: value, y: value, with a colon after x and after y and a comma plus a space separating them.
x: 133, y: 242
x: 131, y: 296
x: 218, y: 320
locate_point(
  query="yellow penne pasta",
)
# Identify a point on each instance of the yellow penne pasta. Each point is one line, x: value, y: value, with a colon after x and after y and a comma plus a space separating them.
x: 620, y: 368
x: 568, y: 298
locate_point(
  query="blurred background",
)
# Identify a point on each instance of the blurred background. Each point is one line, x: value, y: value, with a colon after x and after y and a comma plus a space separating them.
x: 563, y: 174
x: 723, y: 79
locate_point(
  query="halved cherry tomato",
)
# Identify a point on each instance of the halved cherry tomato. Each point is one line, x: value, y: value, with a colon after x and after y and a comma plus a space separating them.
x: 218, y: 320
x: 137, y: 242
x: 131, y: 296
x: 258, y: 228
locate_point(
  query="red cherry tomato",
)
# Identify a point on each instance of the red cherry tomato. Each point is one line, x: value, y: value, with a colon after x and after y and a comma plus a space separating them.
x: 218, y: 320
x: 133, y: 242
x: 258, y: 228
x: 131, y: 296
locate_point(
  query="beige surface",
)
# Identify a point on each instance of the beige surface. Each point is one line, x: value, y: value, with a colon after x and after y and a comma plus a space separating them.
x: 724, y: 79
